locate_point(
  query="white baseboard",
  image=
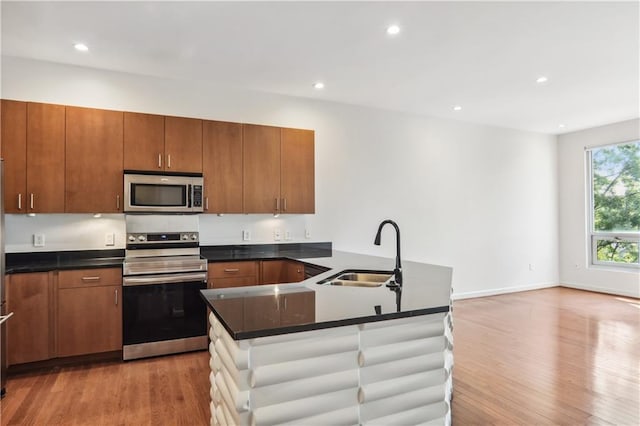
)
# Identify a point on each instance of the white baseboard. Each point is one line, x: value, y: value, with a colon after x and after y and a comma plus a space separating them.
x: 504, y: 290
x: 616, y: 292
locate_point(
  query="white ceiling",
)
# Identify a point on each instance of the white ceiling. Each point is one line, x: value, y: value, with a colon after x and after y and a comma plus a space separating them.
x: 484, y: 56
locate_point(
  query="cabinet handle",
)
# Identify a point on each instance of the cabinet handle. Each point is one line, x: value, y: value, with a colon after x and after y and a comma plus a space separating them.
x: 168, y: 161
x: 90, y: 278
x: 285, y: 303
x: 31, y: 201
x: 116, y: 297
x: 117, y: 202
x: 232, y: 270
x: 277, y: 204
x: 159, y: 161
x: 19, y: 201
x: 284, y: 204
x: 206, y: 203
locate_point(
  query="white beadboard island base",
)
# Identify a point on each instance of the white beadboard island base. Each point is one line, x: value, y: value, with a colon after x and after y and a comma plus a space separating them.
x: 382, y: 373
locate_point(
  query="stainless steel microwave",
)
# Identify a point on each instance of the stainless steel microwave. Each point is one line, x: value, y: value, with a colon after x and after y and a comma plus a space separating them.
x: 148, y: 192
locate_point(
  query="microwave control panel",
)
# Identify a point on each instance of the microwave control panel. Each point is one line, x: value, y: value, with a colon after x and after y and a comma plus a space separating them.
x: 197, y: 195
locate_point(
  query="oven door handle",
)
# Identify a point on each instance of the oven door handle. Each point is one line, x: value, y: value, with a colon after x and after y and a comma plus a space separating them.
x: 163, y: 279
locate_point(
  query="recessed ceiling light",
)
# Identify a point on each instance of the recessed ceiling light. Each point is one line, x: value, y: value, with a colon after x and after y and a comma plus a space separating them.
x: 393, y: 29
x: 319, y: 85
x: 541, y: 79
x: 457, y: 108
x: 81, y: 47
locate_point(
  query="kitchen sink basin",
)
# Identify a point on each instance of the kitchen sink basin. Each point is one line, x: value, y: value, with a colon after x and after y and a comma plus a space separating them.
x: 359, y: 278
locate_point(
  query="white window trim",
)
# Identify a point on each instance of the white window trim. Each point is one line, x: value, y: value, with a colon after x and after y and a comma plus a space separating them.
x: 592, y: 234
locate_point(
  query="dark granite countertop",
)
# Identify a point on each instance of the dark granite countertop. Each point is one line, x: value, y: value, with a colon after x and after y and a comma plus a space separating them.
x: 79, y: 259
x: 58, y: 260
x: 268, y: 310
x: 265, y: 251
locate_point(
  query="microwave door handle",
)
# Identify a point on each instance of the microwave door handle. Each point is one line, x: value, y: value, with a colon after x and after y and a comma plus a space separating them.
x: 189, y: 189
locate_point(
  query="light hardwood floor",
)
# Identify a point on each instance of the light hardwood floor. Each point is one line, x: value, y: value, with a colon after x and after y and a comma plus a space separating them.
x: 553, y: 356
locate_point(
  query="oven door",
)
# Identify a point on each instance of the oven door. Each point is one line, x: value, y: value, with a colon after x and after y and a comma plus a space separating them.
x: 163, y: 314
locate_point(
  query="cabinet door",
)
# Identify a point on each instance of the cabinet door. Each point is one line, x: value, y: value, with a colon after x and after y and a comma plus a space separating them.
x: 298, y: 308
x: 94, y: 179
x: 261, y: 169
x: 222, y: 166
x: 183, y: 144
x: 143, y: 141
x: 45, y: 158
x: 29, y: 331
x: 14, y: 152
x: 295, y: 272
x: 89, y: 320
x: 231, y: 282
x: 274, y: 272
x: 298, y: 174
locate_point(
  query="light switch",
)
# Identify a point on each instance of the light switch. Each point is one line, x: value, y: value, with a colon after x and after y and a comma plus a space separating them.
x: 109, y: 239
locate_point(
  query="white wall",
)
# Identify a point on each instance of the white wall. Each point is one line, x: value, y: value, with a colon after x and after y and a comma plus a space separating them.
x: 575, y: 270
x: 481, y: 199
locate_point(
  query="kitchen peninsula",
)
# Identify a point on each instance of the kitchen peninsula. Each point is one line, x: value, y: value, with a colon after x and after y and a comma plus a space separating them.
x: 309, y: 353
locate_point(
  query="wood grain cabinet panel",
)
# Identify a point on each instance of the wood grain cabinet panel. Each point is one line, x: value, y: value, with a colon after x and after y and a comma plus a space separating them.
x: 232, y: 274
x: 45, y: 158
x: 13, y: 118
x: 222, y: 166
x: 143, y: 142
x: 89, y: 320
x: 30, y: 330
x: 261, y: 169
x: 274, y: 272
x: 297, y: 187
x: 295, y: 272
x: 33, y: 136
x: 183, y: 144
x: 94, y: 161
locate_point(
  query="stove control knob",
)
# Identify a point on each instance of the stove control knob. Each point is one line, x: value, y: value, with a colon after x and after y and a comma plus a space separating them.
x: 194, y: 237
x: 132, y: 238
x: 141, y: 238
x: 185, y: 237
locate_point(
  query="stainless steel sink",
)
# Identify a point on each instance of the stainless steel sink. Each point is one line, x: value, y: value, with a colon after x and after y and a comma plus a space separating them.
x: 359, y: 278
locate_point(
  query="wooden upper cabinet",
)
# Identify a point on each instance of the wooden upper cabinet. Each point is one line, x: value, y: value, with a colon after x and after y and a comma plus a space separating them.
x: 297, y: 187
x: 33, y: 136
x: 13, y: 117
x: 261, y: 169
x: 94, y: 161
x: 222, y: 166
x: 183, y: 144
x: 143, y: 142
x: 45, y: 158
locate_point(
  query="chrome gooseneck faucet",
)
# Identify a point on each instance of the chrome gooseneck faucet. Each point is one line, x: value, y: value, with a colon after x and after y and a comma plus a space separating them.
x: 398, y: 270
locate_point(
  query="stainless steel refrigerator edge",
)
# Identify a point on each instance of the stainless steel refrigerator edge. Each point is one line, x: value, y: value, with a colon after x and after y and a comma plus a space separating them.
x: 3, y: 301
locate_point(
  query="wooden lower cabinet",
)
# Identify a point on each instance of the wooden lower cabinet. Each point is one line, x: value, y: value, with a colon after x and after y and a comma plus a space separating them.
x: 281, y: 271
x: 252, y: 272
x: 30, y: 330
x: 89, y: 311
x: 232, y: 274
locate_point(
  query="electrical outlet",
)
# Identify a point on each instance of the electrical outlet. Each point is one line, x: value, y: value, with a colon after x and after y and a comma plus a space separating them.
x: 287, y: 235
x: 246, y: 235
x: 277, y: 234
x: 38, y: 240
x: 109, y: 239
x: 307, y: 234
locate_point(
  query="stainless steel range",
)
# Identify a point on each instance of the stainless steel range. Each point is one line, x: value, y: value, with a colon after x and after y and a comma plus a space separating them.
x: 163, y: 312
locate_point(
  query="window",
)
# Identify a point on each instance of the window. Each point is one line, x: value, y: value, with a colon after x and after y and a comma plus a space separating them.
x: 615, y: 204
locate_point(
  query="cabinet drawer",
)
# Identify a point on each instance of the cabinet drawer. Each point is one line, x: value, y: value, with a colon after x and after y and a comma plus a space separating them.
x: 232, y: 282
x: 233, y: 269
x: 90, y: 277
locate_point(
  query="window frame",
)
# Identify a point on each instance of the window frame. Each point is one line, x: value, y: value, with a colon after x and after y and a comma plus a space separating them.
x: 593, y: 235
